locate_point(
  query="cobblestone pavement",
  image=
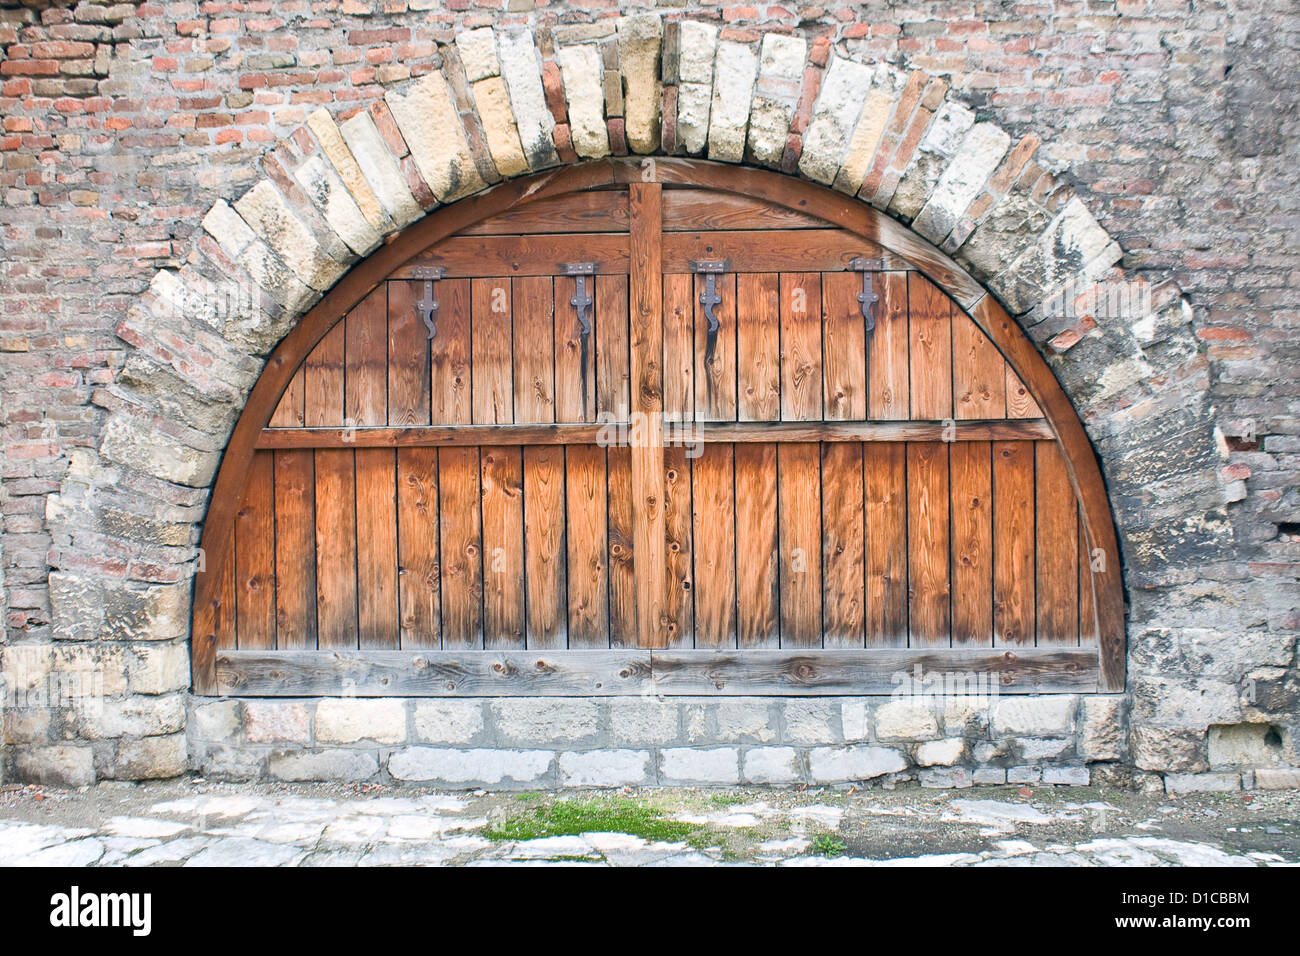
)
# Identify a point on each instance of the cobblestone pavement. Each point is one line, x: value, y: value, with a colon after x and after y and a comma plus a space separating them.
x: 194, y: 823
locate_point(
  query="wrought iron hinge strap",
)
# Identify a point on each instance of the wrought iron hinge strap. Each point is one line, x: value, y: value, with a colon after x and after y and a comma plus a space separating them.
x: 582, y: 302
x: 428, y: 304
x: 867, y: 298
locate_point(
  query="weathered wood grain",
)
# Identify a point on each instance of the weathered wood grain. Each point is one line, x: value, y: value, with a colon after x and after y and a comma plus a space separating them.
x: 629, y: 672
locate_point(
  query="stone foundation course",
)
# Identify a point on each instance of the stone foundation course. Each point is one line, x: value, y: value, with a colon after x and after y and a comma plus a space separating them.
x: 526, y: 743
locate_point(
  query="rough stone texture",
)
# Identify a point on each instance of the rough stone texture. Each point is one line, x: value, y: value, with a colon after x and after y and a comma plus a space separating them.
x: 499, y: 127
x: 110, y: 445
x: 380, y: 169
x: 605, y: 768
x: 1277, y: 778
x: 974, y: 162
x: 906, y: 720
x: 582, y: 70
x: 846, y: 764
x: 835, y: 117
x: 519, y: 68
x: 523, y: 721
x: 642, y: 720
x: 639, y: 38
x: 1035, y: 715
x: 495, y: 767
x: 478, y: 53
x: 698, y: 47
x: 341, y: 765
x: 1202, y: 782
x: 940, y: 753
x: 349, y: 721
x: 1101, y: 728
x: 275, y: 721
x: 448, y: 721
x: 780, y: 69
x: 64, y: 765
x: 434, y: 134
x: 772, y: 765
x: 735, y: 70
x: 706, y: 765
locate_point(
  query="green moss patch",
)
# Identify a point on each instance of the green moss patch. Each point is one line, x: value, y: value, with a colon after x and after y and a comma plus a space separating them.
x: 596, y: 815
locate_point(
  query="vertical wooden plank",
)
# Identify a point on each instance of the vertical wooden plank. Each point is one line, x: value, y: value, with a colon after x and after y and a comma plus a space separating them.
x: 501, y: 477
x: 365, y: 376
x: 714, y: 525
x: 255, y: 556
x: 335, y: 497
x: 758, y: 347
x: 757, y: 545
x: 492, y: 347
x: 679, y: 597
x: 1013, y: 543
x: 223, y: 606
x: 801, y: 346
x: 715, y: 355
x: 972, y: 542
x: 323, y: 381
x: 336, y: 549
x: 449, y: 355
x: 545, y: 614
x: 843, y: 554
x: 295, y: 550
x: 461, y: 561
x: 679, y: 348
x: 979, y: 373
x: 928, y: 544
x: 410, y: 378
x: 544, y: 547
x: 365, y: 387
x: 1057, y: 552
x: 419, y: 585
x: 930, y: 348
x: 799, y: 501
x: 758, y: 386
x: 1020, y: 404
x: 587, y: 537
x: 888, y: 391
x: 377, y: 615
x: 575, y: 354
x: 1087, y: 596
x: 534, y: 360
x: 646, y: 321
x: 612, y: 397
x: 845, y: 346
x: 885, y: 496
x: 622, y: 571
x: 290, y: 411
x: 408, y: 356
x: 503, y: 547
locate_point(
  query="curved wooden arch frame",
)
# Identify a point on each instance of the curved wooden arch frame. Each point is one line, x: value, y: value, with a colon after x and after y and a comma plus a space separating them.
x: 857, y: 217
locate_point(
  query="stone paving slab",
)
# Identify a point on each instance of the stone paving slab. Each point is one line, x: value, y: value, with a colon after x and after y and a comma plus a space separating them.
x: 194, y: 823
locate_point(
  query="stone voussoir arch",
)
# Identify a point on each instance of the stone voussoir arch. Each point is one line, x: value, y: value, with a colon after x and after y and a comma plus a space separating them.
x: 504, y: 105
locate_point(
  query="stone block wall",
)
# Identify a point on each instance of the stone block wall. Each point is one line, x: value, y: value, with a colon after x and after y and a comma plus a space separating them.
x: 526, y: 743
x: 180, y: 180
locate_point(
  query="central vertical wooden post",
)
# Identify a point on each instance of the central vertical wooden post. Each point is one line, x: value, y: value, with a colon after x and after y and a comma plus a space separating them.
x: 646, y: 288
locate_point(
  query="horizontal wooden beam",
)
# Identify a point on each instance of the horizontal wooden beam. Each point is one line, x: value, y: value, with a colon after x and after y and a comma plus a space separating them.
x: 681, y: 433
x: 779, y: 250
x: 626, y: 672
x: 489, y: 256
x: 954, y: 671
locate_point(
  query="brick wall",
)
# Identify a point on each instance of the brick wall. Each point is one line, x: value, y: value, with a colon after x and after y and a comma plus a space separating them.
x: 1174, y: 124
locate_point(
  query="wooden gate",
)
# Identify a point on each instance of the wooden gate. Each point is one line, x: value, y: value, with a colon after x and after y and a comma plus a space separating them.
x: 726, y: 433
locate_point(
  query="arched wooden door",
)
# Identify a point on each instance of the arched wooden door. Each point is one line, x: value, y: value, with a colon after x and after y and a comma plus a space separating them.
x: 653, y: 435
